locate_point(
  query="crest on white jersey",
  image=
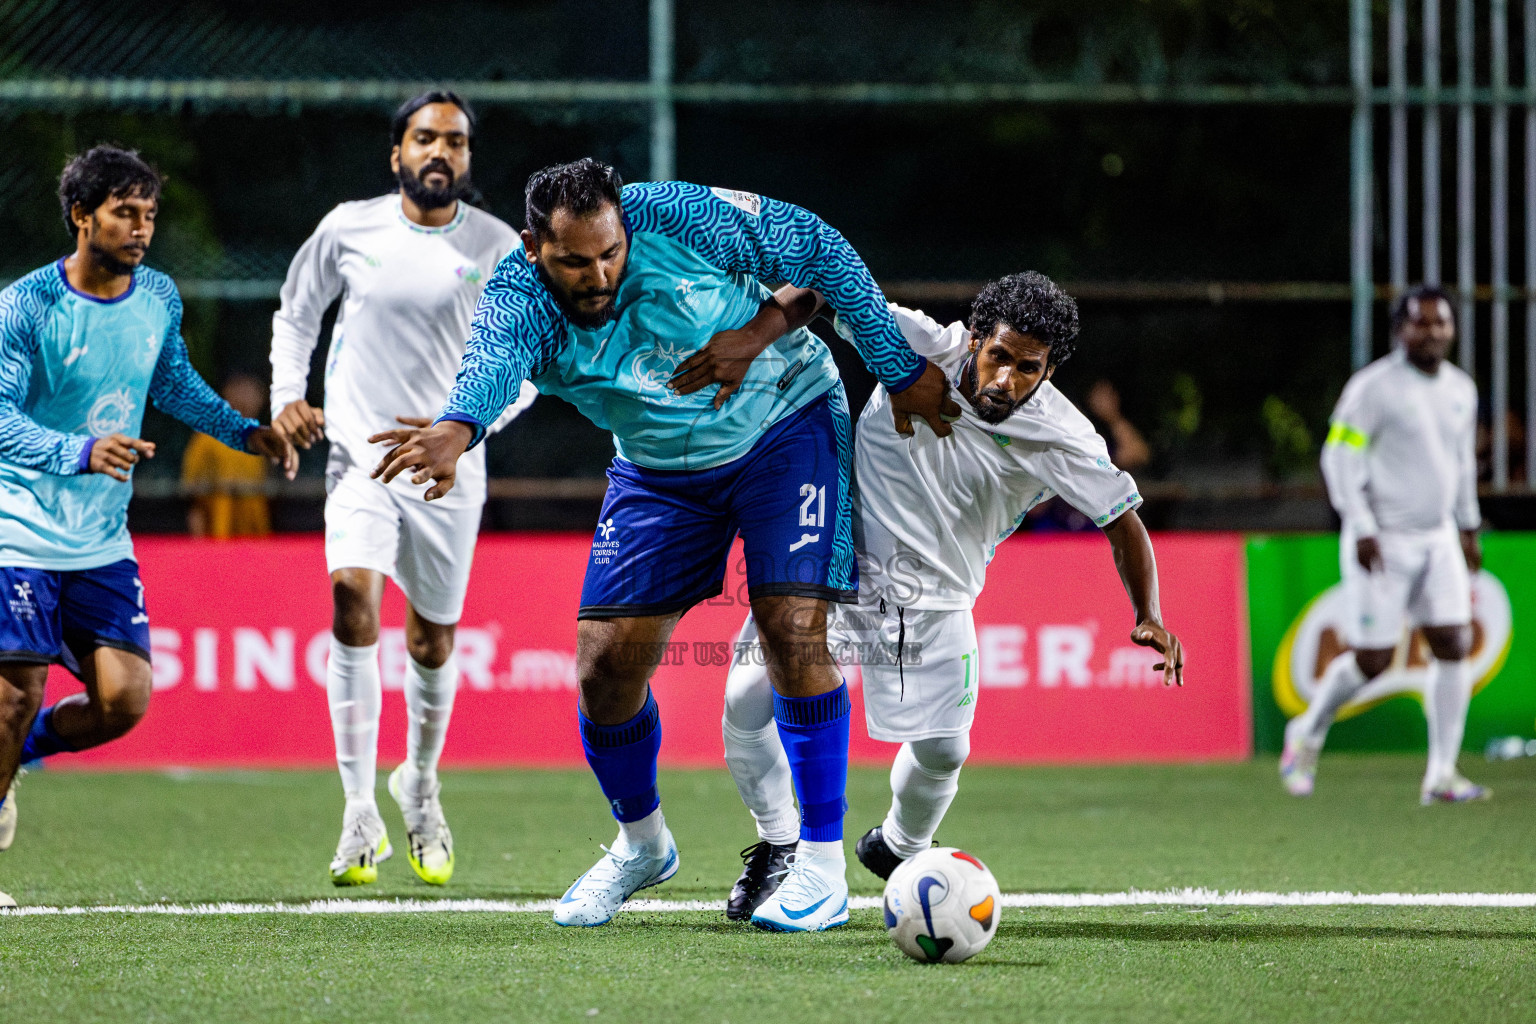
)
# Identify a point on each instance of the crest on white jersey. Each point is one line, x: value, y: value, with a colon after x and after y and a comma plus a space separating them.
x: 749, y: 202
x: 111, y: 414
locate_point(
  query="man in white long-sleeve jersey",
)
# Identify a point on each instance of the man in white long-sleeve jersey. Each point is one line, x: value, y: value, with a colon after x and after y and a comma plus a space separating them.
x: 930, y: 515
x: 1401, y: 470
x: 409, y: 267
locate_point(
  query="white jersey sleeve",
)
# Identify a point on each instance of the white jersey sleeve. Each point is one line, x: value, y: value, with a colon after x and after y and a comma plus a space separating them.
x: 1346, y: 469
x: 1468, y: 515
x: 1060, y: 448
x: 314, y: 282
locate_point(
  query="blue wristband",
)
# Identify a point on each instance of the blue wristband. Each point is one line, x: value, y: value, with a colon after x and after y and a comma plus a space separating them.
x: 83, y: 463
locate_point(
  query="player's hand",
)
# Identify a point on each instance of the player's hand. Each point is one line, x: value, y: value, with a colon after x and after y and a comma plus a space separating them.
x: 267, y: 441
x: 116, y: 454
x: 1471, y: 550
x: 1156, y: 636
x: 1368, y: 554
x: 300, y: 423
x: 723, y: 360
x: 433, y: 452
x: 927, y: 397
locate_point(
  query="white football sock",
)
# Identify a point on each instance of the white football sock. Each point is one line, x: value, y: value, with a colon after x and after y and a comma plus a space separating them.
x: 755, y: 755
x: 831, y: 850
x: 429, y: 696
x: 352, y: 687
x: 644, y: 832
x: 1445, y: 712
x: 924, y: 780
x: 1341, y: 679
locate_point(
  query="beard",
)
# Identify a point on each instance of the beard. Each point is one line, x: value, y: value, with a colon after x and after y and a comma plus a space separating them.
x: 585, y: 319
x: 433, y: 198
x: 110, y: 263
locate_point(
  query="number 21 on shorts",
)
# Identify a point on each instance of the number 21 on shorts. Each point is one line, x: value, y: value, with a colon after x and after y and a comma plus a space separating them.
x: 811, y: 516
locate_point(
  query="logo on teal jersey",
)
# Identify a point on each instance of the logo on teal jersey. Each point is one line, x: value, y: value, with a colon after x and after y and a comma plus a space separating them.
x: 655, y: 366
x: 111, y: 414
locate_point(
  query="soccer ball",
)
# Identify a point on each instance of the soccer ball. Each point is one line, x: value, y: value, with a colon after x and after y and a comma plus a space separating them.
x: 942, y: 905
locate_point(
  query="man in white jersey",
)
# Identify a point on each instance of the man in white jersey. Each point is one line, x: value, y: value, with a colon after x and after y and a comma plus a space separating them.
x: 1401, y: 467
x: 930, y: 517
x: 409, y: 267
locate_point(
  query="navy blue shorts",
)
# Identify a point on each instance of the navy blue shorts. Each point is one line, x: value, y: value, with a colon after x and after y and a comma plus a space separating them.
x: 664, y: 536
x: 52, y: 616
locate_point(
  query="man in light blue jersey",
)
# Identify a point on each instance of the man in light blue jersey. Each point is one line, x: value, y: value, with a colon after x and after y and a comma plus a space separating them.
x: 84, y: 342
x: 629, y: 302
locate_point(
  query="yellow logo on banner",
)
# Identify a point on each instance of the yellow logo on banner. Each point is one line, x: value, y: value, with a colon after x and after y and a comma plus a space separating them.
x: 1317, y: 637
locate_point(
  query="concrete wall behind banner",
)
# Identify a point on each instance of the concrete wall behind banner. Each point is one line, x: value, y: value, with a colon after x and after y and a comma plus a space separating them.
x: 241, y: 633
x: 1296, y: 614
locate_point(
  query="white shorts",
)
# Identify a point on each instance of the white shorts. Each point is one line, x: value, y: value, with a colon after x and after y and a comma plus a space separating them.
x: 1423, y: 582
x: 919, y: 667
x: 426, y: 548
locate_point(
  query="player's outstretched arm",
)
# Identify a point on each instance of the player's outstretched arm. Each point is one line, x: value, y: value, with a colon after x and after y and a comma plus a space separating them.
x: 726, y: 357
x: 518, y: 330
x: 433, y: 452
x: 1137, y: 565
x: 178, y: 389
x: 740, y: 232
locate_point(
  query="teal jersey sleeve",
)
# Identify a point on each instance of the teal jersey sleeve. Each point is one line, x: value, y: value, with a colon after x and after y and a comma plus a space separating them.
x: 517, y: 331
x: 178, y: 389
x: 24, y: 441
x: 741, y: 232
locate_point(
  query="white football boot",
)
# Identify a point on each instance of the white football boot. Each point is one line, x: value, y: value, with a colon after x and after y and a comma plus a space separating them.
x: 596, y: 896
x: 1298, y: 762
x: 363, y: 847
x: 6, y: 901
x: 812, y: 897
x: 1455, y: 789
x: 428, y: 841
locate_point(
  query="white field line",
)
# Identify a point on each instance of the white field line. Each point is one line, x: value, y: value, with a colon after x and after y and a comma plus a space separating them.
x: 1021, y: 900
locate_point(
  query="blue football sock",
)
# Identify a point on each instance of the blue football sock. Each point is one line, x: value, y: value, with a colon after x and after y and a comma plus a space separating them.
x: 41, y: 740
x: 623, y: 757
x: 814, y: 731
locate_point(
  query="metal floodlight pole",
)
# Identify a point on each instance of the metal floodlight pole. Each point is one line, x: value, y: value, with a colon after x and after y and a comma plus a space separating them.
x: 1360, y: 181
x: 1466, y: 140
x: 1432, y: 141
x: 1530, y: 246
x: 663, y: 113
x: 1397, y: 170
x: 1498, y: 240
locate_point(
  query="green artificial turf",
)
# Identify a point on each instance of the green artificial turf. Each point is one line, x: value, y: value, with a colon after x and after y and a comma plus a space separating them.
x: 264, y: 837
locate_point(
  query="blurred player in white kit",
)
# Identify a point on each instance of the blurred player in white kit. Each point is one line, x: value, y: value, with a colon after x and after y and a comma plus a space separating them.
x: 1401, y: 467
x: 930, y: 516
x: 409, y: 267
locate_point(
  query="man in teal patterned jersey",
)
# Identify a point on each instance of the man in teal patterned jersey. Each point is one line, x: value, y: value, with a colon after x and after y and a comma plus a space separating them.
x: 629, y: 302
x: 84, y: 342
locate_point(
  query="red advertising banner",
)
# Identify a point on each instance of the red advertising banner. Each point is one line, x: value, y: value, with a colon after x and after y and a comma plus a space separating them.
x: 241, y: 631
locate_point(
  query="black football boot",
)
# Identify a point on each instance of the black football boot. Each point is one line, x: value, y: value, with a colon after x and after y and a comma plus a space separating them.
x: 765, y: 865
x: 875, y: 855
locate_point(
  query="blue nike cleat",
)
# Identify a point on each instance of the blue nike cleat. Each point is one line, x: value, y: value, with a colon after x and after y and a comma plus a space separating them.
x: 812, y: 897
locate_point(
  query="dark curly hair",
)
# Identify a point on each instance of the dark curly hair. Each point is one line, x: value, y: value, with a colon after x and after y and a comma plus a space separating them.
x: 1420, y: 293
x: 1031, y: 304
x: 580, y: 188
x: 104, y: 172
